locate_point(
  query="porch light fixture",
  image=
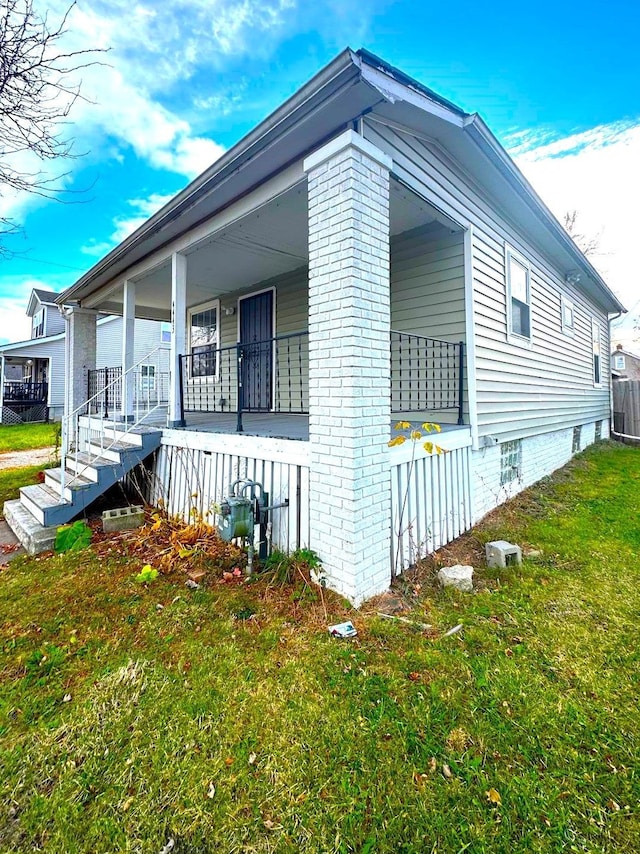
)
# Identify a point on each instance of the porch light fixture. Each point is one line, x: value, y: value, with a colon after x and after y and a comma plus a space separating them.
x: 229, y: 310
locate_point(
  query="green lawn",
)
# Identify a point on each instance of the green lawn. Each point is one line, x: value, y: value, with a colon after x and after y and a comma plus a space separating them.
x: 23, y: 437
x: 12, y: 479
x: 229, y: 721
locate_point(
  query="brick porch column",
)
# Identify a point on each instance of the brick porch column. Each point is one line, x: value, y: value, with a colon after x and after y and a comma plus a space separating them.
x: 81, y: 355
x: 349, y: 364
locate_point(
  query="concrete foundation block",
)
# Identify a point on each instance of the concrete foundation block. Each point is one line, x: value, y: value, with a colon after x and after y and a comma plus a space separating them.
x: 123, y: 518
x: 500, y: 553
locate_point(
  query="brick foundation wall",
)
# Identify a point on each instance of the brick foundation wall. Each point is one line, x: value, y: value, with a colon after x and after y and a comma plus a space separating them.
x: 541, y: 455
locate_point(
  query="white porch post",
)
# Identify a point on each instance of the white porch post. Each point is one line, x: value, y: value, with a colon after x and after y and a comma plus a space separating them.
x: 128, y: 333
x: 349, y: 364
x: 81, y: 357
x: 178, y: 335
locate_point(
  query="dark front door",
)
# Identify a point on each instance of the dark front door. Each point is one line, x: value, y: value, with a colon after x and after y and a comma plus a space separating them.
x: 256, y: 337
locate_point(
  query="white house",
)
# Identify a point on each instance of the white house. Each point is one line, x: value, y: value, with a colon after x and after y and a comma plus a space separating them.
x: 32, y: 373
x: 368, y: 253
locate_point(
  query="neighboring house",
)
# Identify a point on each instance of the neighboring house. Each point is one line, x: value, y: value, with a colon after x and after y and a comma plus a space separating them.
x: 368, y: 253
x: 624, y: 365
x: 32, y: 373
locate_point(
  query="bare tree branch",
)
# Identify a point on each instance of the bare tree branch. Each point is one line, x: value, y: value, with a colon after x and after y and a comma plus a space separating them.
x: 38, y: 89
x: 587, y: 244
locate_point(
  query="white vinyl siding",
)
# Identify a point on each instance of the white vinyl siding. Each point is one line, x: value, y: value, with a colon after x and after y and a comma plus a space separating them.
x: 146, y: 339
x: 520, y: 391
x: 54, y: 321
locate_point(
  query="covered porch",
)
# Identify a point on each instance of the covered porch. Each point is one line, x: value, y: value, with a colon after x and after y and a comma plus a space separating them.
x: 238, y: 304
x: 314, y: 312
x: 24, y: 388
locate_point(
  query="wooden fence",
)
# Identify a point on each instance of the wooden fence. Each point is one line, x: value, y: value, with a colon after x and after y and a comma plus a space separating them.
x: 626, y: 407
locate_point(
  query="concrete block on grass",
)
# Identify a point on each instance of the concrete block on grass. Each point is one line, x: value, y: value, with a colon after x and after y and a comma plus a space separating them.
x: 458, y: 576
x: 500, y: 553
x: 123, y: 518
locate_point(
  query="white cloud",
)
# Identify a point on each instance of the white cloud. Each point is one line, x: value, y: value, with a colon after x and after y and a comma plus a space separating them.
x: 139, y: 211
x: 138, y: 96
x: 14, y: 323
x: 596, y: 174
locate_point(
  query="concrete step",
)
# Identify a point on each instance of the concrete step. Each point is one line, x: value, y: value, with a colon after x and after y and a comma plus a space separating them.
x: 44, y: 504
x: 72, y: 482
x: 34, y: 537
x: 88, y: 465
x: 118, y: 431
x: 116, y: 451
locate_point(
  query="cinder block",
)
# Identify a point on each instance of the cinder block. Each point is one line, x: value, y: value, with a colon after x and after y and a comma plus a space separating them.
x: 123, y: 518
x: 501, y: 553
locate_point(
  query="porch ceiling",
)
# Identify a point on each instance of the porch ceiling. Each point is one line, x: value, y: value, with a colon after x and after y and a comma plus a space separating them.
x: 263, y: 245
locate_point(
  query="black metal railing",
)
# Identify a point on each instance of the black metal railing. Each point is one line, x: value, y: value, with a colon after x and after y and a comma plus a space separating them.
x: 427, y: 375
x: 103, y: 391
x: 25, y: 392
x: 261, y: 376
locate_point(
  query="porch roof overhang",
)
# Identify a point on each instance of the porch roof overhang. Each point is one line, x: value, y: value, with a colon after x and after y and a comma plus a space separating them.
x: 265, y: 244
x: 31, y: 345
x: 352, y: 86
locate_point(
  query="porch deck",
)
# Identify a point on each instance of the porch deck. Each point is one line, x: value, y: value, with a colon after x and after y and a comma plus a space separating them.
x: 273, y: 425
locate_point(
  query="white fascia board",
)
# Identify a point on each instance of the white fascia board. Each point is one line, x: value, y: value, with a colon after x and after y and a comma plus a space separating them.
x: 32, y: 342
x: 394, y: 91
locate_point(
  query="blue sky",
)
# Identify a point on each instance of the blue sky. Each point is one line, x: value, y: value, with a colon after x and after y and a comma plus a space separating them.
x: 556, y: 82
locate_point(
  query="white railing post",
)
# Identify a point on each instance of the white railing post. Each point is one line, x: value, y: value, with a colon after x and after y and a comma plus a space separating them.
x: 128, y: 333
x: 178, y: 336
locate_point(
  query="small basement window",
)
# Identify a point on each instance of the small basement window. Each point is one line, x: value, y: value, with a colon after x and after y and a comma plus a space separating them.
x: 598, y: 435
x: 577, y: 436
x: 510, y: 461
x: 568, y: 316
x: 518, y: 295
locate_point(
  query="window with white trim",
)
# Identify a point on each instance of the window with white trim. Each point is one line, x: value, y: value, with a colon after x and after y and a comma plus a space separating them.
x: 147, y: 377
x: 510, y: 461
x: 38, y: 324
x: 568, y: 316
x: 518, y: 295
x: 203, y: 336
x: 165, y: 332
x: 619, y: 363
x: 595, y: 339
